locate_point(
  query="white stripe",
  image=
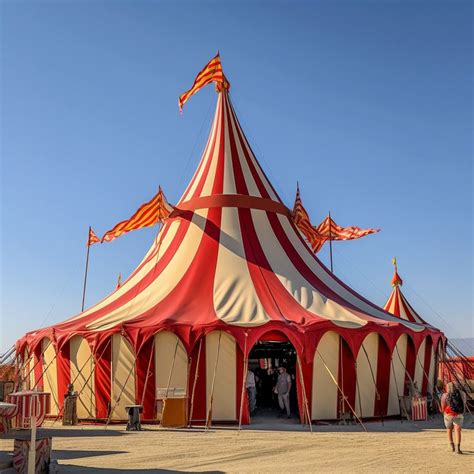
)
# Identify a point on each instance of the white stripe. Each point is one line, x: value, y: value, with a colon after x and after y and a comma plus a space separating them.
x: 252, y: 188
x: 264, y: 180
x: 235, y: 299
x: 295, y: 283
x: 127, y: 285
x: 164, y: 283
x: 329, y: 281
x: 205, y: 158
x: 229, y: 179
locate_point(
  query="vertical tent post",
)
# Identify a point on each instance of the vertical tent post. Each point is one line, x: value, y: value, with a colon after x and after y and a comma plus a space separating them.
x: 34, y: 402
x: 244, y: 381
x: 209, y: 411
x: 196, y: 375
x: 85, y: 272
x: 340, y: 390
x: 303, y: 390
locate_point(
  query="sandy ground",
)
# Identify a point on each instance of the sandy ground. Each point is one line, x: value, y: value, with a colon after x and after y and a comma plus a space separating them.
x: 270, y: 447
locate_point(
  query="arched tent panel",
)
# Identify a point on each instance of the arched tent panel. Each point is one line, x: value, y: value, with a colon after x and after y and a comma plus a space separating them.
x: 123, y: 377
x: 50, y: 374
x: 433, y: 371
x: 82, y: 376
x: 27, y: 372
x: 419, y: 366
x: 366, y: 373
x: 325, y: 392
x: 221, y: 360
x: 428, y: 363
x: 171, y: 362
x: 397, y: 375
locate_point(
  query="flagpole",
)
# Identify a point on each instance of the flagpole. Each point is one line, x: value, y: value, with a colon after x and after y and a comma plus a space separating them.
x: 330, y: 242
x: 87, y: 267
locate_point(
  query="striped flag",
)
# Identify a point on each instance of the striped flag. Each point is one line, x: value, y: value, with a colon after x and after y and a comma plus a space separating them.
x: 212, y: 72
x: 331, y: 231
x: 147, y: 215
x: 301, y: 220
x: 93, y: 239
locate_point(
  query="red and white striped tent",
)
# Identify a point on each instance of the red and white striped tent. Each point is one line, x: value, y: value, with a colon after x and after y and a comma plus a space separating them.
x: 399, y: 306
x: 228, y: 269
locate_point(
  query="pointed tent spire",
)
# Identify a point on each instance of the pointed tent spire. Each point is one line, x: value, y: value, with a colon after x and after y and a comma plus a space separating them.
x: 396, y: 280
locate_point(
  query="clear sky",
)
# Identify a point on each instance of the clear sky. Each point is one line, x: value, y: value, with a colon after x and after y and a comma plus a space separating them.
x: 367, y: 104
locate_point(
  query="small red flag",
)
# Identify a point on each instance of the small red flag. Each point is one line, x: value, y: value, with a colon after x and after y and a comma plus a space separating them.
x: 301, y: 219
x: 149, y: 214
x: 212, y: 72
x: 331, y: 231
x: 93, y: 239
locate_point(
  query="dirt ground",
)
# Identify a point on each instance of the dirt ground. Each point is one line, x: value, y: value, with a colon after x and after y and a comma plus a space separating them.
x: 271, y: 447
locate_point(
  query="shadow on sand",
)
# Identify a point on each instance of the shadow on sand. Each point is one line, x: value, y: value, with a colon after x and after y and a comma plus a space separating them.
x: 67, y: 468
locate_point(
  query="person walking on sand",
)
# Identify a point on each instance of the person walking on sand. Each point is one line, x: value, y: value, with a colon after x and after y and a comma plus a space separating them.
x: 453, y: 404
x: 282, y: 389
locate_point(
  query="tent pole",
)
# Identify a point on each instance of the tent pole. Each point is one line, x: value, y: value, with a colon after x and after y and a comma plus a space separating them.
x: 172, y: 367
x: 196, y: 375
x: 373, y: 376
x: 147, y: 375
x: 303, y: 390
x: 330, y: 242
x: 86, y: 270
x: 396, y: 388
x: 209, y: 411
x: 244, y: 381
x: 340, y: 390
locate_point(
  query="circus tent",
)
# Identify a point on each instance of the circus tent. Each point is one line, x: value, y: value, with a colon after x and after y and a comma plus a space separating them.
x: 227, y: 269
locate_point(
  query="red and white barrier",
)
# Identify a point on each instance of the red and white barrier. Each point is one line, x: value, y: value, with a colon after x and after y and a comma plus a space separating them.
x: 419, y: 409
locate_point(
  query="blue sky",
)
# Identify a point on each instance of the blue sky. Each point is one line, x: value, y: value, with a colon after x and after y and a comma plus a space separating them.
x: 367, y: 104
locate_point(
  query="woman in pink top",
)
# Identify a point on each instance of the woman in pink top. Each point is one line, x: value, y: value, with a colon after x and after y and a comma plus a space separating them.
x: 453, y: 404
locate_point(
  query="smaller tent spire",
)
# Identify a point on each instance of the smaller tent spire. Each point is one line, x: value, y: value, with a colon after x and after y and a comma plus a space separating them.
x: 396, y: 280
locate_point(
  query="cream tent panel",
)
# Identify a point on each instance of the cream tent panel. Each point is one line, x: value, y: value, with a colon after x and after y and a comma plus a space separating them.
x: 420, y: 357
x: 366, y: 365
x: 27, y: 373
x: 82, y: 367
x: 171, y: 361
x: 123, y: 377
x: 397, y: 375
x: 432, y: 371
x: 50, y: 374
x: 224, y: 400
x: 324, y: 396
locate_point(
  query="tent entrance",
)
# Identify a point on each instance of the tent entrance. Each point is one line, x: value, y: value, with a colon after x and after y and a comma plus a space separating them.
x: 264, y: 360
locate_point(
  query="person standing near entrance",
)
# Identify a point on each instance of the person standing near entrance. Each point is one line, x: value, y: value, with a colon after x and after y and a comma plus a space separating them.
x: 282, y: 389
x: 251, y: 391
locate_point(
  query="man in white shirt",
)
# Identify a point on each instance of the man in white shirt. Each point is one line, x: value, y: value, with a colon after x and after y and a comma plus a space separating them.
x: 251, y: 391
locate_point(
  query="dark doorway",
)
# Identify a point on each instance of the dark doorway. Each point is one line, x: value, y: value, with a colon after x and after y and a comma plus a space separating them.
x: 264, y: 360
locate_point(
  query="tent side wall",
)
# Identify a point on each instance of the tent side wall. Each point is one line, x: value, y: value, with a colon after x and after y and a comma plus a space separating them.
x: 367, y: 359
x: 221, y: 359
x: 397, y: 375
x: 50, y: 375
x: 123, y: 377
x: 82, y: 377
x: 325, y: 392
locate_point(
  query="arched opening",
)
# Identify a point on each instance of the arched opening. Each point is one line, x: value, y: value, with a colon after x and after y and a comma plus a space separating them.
x: 82, y: 376
x: 272, y: 366
x: 422, y: 382
x: 49, y: 374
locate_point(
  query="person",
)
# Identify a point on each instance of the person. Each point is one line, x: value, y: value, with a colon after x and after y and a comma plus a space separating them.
x: 251, y: 391
x: 453, y: 404
x: 70, y: 406
x: 282, y: 389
